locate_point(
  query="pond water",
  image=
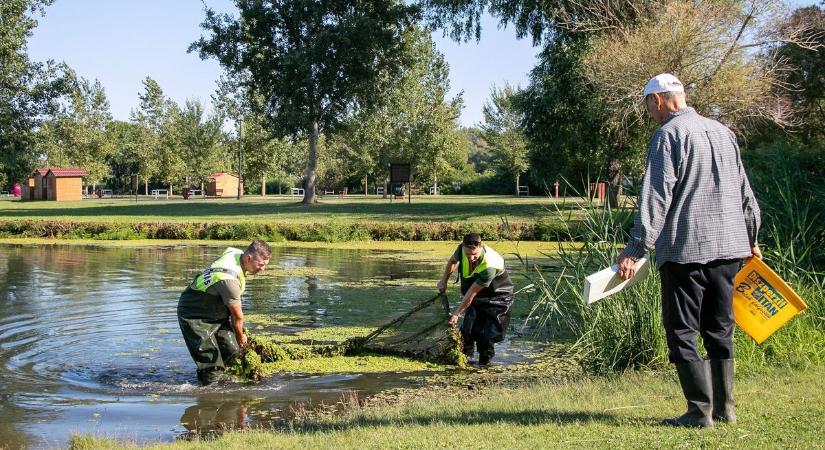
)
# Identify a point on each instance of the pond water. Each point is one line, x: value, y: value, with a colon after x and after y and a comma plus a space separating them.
x: 89, y: 340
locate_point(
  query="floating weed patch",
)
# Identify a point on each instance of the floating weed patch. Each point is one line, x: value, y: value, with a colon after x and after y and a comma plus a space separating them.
x: 352, y: 364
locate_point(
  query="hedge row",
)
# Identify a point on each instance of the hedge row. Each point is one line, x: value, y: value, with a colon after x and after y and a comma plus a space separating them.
x: 285, y: 231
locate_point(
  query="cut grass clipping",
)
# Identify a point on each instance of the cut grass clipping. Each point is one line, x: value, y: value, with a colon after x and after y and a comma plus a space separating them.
x: 422, y: 333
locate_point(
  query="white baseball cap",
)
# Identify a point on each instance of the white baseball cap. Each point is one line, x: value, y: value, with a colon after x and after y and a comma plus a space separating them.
x: 664, y: 82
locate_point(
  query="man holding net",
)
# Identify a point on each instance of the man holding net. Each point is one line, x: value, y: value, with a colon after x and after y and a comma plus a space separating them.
x: 488, y: 296
x: 209, y: 310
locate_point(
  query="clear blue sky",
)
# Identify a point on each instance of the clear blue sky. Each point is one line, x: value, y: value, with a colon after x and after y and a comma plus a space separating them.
x: 121, y: 42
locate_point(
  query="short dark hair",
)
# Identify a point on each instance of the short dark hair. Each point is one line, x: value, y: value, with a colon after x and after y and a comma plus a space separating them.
x: 259, y: 248
x: 471, y: 240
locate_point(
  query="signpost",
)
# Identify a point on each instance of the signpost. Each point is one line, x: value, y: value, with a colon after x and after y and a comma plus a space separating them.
x: 400, y: 173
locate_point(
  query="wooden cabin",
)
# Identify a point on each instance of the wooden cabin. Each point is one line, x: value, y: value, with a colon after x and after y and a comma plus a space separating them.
x: 64, y: 184
x: 35, y: 188
x: 223, y: 184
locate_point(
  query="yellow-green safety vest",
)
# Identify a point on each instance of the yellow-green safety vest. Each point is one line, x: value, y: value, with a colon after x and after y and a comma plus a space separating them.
x: 227, y: 267
x: 489, y: 259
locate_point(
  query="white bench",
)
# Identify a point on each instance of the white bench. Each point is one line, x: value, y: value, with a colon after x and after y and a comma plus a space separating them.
x: 297, y: 191
x: 523, y: 190
x: 195, y: 192
x: 158, y: 192
x: 379, y: 190
x: 106, y: 192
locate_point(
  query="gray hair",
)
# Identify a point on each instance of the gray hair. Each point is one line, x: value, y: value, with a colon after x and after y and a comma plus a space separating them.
x: 259, y: 248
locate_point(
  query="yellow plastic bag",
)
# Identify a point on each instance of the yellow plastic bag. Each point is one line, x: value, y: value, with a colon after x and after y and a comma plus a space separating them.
x: 763, y: 302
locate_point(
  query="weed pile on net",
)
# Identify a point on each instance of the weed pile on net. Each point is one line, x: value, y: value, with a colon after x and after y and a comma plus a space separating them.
x: 423, y: 332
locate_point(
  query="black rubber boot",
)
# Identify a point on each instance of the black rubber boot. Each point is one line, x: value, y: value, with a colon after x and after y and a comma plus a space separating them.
x: 721, y: 373
x: 694, y: 377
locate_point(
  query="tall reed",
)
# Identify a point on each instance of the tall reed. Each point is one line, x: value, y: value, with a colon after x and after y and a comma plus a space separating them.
x: 624, y: 331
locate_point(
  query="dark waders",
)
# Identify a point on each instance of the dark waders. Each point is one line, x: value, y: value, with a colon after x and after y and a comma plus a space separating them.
x: 485, y: 323
x: 204, y: 322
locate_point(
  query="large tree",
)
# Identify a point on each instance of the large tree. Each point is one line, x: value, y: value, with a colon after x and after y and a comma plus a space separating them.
x: 151, y: 116
x: 503, y: 126
x: 28, y: 90
x: 312, y: 61
x: 807, y: 72
x: 412, y: 122
x: 77, y: 135
x: 198, y: 138
x: 262, y: 153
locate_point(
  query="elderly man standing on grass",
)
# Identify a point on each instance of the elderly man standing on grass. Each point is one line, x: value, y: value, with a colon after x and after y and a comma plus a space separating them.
x: 209, y: 310
x: 697, y: 209
x: 488, y: 296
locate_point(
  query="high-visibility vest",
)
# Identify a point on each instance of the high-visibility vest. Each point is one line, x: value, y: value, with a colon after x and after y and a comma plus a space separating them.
x: 227, y: 267
x: 501, y: 284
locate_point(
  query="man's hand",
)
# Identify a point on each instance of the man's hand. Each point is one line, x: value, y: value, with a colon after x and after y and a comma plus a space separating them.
x: 454, y: 319
x: 241, y: 339
x: 442, y: 286
x: 627, y: 267
x: 755, y: 252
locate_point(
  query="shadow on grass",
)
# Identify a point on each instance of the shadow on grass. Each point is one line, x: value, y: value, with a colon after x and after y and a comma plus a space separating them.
x: 527, y: 417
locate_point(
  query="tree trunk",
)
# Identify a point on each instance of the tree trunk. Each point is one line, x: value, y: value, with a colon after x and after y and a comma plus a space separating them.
x: 146, y: 186
x: 240, y: 159
x: 366, y: 186
x: 517, y: 186
x: 263, y: 185
x: 170, y: 188
x: 309, y: 183
x: 614, y: 185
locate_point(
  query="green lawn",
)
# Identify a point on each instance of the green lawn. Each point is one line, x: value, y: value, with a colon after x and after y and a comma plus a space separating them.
x: 779, y: 409
x: 285, y: 209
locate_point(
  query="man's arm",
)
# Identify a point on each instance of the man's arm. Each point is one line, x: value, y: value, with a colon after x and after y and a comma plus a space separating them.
x: 236, y: 320
x: 468, y: 300
x: 230, y: 292
x: 452, y: 264
x: 654, y: 201
x: 753, y: 216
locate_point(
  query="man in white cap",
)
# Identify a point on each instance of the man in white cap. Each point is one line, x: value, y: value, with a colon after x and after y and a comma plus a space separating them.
x: 697, y: 209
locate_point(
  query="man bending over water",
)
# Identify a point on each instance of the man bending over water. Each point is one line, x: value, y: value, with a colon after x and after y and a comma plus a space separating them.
x: 209, y: 310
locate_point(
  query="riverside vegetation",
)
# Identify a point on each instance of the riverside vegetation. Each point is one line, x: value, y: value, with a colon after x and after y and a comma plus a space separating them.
x: 617, y: 393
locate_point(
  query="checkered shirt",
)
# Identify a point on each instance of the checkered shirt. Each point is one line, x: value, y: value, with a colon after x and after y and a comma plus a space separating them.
x: 696, y: 204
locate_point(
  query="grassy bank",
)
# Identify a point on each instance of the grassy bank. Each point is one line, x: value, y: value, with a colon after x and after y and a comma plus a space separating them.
x: 407, y: 249
x: 776, y: 409
x: 475, y: 209
x: 283, y: 218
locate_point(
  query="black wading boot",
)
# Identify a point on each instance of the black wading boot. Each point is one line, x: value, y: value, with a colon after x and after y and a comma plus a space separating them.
x: 721, y: 374
x: 694, y: 376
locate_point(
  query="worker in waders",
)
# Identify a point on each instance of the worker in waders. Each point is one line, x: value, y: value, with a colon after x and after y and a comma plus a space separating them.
x: 209, y: 310
x: 488, y: 296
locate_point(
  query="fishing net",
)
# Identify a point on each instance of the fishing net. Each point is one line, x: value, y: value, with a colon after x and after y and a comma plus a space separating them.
x: 422, y: 332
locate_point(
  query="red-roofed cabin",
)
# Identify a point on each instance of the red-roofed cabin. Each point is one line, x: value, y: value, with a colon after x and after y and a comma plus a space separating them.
x: 222, y: 184
x: 64, y: 184
x: 35, y: 188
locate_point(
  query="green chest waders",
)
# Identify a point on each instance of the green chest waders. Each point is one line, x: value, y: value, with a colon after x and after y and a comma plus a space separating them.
x: 204, y: 319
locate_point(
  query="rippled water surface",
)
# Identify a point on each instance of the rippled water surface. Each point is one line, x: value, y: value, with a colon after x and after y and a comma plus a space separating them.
x: 89, y: 340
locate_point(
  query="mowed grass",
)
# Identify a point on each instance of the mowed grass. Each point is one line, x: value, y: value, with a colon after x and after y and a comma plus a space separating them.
x: 354, y: 208
x: 777, y: 409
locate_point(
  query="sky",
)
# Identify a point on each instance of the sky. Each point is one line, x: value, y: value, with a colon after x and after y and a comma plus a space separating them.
x: 122, y: 42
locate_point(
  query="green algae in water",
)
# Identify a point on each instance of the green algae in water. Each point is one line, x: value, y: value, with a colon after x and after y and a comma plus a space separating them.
x: 366, y: 363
